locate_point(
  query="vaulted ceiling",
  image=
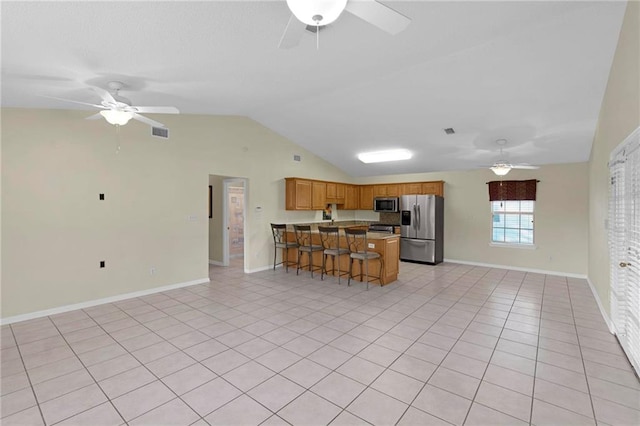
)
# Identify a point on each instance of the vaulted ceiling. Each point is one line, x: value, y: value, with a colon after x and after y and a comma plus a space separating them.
x: 533, y: 73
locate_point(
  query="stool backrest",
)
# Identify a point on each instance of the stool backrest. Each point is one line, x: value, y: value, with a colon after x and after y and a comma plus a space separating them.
x: 279, y: 232
x: 356, y: 240
x: 329, y: 237
x: 303, y: 235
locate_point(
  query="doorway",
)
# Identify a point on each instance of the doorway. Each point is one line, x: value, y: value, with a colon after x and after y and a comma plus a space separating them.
x: 235, y: 219
x: 234, y: 213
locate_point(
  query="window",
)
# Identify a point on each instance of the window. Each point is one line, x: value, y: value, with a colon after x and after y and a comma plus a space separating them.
x: 512, y: 222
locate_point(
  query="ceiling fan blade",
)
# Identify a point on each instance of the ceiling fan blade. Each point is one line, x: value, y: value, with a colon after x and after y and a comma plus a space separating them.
x: 147, y: 120
x: 292, y: 33
x: 72, y: 101
x: 157, y: 109
x: 379, y: 15
x: 524, y: 166
x: 94, y: 117
x: 104, y: 94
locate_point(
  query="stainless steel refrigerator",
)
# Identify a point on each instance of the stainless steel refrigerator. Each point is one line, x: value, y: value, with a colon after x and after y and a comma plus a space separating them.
x: 422, y: 228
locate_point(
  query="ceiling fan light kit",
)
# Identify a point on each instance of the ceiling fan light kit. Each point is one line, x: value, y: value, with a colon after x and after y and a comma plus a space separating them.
x: 319, y: 12
x: 384, y: 156
x: 115, y: 117
x: 500, y: 169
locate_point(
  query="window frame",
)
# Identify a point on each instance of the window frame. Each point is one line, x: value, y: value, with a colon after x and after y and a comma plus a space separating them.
x: 519, y: 245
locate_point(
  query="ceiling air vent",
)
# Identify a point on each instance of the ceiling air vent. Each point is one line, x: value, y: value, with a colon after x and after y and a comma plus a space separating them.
x: 160, y: 132
x: 449, y: 130
x: 296, y: 157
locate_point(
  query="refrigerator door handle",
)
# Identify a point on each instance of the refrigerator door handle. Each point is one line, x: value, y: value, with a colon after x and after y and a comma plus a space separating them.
x: 415, y: 217
x: 419, y: 217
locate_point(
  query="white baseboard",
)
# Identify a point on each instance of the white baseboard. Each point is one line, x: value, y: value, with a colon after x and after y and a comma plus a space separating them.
x: 604, y: 314
x: 515, y: 268
x: 260, y: 269
x: 90, y: 303
x: 215, y: 262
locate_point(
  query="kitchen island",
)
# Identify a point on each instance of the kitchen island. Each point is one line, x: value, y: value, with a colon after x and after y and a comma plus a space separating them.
x: 385, y: 244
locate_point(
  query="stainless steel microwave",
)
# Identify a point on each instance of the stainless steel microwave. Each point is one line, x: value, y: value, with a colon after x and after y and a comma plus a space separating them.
x: 386, y: 204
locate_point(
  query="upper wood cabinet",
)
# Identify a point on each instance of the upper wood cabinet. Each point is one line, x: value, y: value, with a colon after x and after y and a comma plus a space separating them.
x: 435, y: 188
x: 366, y: 197
x: 379, y: 191
x: 298, y: 194
x: 351, y: 198
x: 394, y: 190
x: 411, y: 188
x: 308, y: 194
x: 335, y: 192
x: 318, y: 195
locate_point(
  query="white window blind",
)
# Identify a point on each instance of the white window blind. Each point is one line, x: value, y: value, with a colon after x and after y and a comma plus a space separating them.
x: 624, y: 244
x: 512, y: 222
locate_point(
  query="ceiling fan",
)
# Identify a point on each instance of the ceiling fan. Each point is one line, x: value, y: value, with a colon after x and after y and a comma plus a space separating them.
x: 117, y: 110
x: 320, y: 13
x: 502, y: 166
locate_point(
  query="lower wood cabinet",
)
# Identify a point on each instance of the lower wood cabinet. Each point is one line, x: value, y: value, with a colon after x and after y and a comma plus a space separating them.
x: 388, y: 248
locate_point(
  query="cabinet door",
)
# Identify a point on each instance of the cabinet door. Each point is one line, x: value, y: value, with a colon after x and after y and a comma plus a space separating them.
x: 393, y: 190
x: 379, y: 190
x: 340, y: 191
x: 298, y: 194
x: 412, y: 188
x: 350, y: 198
x: 332, y: 191
x: 366, y: 197
x: 319, y: 196
x: 432, y: 188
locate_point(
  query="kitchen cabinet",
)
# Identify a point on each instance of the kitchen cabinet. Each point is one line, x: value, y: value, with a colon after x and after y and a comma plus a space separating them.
x: 318, y: 195
x: 335, y: 192
x: 393, y: 190
x: 379, y: 191
x: 387, y: 245
x: 433, y: 188
x: 411, y: 188
x: 366, y: 197
x: 351, y: 197
x: 309, y: 194
x: 298, y: 194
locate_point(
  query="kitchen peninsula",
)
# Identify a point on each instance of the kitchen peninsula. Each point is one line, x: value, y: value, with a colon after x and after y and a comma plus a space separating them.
x: 386, y: 244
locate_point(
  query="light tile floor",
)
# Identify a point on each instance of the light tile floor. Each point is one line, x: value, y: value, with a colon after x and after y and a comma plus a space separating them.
x: 450, y: 344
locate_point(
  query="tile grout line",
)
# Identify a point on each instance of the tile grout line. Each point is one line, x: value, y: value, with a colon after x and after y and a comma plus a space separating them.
x: 457, y: 340
x: 584, y: 368
x: 26, y: 372
x: 535, y: 366
x: 473, y: 400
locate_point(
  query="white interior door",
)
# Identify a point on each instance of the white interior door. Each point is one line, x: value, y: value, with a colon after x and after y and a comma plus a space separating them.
x: 624, y: 245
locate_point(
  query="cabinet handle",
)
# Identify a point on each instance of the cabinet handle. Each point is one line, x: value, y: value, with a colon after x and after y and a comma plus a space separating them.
x: 624, y: 264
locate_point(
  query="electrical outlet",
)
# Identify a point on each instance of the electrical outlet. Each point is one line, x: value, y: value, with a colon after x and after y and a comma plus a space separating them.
x: 101, y: 196
x: 371, y: 245
x: 102, y: 263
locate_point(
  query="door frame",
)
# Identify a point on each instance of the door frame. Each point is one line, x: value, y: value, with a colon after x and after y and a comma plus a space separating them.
x: 226, y: 183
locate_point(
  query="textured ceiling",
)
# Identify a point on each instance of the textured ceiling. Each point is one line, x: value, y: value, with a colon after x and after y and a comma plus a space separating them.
x: 533, y: 73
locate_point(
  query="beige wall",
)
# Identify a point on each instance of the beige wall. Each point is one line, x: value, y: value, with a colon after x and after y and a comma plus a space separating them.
x: 619, y: 116
x: 55, y: 231
x: 560, y: 217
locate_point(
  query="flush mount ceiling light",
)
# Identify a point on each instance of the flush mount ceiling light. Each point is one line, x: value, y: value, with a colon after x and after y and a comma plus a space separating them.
x: 383, y: 156
x: 115, y: 117
x: 500, y: 169
x: 317, y: 12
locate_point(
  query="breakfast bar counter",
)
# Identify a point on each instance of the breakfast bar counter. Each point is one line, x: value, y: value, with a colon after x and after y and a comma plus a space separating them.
x: 385, y: 244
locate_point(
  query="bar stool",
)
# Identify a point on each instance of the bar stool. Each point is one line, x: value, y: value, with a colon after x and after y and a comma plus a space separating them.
x: 330, y: 239
x: 305, y: 245
x: 357, y: 243
x: 280, y: 242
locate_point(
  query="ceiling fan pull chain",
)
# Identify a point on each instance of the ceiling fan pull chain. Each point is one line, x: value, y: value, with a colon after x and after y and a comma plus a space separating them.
x: 317, y: 35
x: 117, y: 139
